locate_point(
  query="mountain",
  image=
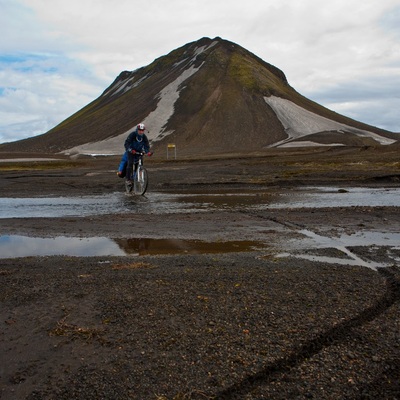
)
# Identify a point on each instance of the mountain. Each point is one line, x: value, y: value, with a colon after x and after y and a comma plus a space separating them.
x: 210, y: 96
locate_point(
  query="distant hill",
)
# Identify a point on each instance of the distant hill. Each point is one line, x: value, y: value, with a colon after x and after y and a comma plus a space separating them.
x: 210, y: 96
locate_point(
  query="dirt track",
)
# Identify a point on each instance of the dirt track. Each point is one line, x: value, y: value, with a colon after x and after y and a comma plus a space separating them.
x: 245, y: 325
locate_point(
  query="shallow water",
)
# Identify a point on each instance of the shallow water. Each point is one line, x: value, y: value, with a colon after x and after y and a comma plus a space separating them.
x: 344, y: 244
x: 13, y: 246
x: 164, y: 203
x: 319, y: 197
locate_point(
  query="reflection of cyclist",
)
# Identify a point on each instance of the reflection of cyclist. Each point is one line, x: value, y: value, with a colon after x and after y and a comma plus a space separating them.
x: 136, y: 142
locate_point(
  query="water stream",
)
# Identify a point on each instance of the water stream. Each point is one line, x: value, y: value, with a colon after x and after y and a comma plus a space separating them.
x: 163, y: 203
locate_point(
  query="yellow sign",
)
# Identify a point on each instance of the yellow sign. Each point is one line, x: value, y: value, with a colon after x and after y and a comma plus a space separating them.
x: 171, y: 146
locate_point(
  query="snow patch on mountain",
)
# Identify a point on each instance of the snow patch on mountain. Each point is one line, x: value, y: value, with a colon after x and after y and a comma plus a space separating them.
x: 156, y: 121
x: 158, y: 118
x: 298, y: 122
x: 307, y: 143
x: 124, y: 85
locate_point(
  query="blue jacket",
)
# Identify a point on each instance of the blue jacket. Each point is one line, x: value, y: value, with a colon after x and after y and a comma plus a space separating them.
x: 137, y: 142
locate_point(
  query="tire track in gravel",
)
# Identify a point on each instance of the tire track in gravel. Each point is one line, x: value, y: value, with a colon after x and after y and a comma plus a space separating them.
x: 339, y: 333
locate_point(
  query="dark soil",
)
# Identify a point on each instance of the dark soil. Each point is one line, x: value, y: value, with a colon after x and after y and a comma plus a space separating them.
x: 223, y: 325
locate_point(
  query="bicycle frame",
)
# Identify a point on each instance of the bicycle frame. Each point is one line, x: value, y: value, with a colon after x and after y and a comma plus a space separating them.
x: 140, y: 177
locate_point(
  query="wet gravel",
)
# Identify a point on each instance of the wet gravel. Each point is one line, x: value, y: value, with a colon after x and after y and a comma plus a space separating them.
x: 236, y: 326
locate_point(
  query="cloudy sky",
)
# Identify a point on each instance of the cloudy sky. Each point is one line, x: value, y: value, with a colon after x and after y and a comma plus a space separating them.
x: 56, y: 56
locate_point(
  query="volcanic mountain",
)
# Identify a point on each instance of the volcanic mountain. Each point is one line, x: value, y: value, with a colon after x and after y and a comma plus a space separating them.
x: 209, y: 96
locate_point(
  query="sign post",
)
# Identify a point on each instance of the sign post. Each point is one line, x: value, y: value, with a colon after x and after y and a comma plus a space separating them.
x: 171, y: 146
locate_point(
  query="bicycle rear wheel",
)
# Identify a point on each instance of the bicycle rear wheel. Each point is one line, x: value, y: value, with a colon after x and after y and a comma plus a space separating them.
x: 140, y: 181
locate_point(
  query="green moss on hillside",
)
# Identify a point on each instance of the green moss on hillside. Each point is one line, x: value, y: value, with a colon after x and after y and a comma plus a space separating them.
x: 241, y: 69
x: 253, y: 76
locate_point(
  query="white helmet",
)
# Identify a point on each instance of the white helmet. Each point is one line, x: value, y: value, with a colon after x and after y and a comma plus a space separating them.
x: 140, y: 127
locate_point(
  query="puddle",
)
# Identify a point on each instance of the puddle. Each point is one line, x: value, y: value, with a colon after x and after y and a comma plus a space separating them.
x: 167, y: 203
x: 318, y: 197
x: 14, y: 246
x: 311, y: 247
x: 179, y: 246
x: 231, y: 201
x: 22, y: 246
x: 343, y: 244
x: 114, y: 203
x: 362, y: 238
x: 308, y: 197
x: 53, y: 207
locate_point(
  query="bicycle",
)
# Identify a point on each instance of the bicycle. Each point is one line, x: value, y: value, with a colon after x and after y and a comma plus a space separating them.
x: 140, y: 178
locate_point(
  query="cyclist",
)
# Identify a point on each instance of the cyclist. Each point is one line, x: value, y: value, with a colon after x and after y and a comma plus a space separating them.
x: 136, y: 142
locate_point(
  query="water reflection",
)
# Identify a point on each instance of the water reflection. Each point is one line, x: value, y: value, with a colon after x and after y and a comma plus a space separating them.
x: 318, y: 197
x: 346, y: 246
x: 53, y: 207
x: 22, y: 246
x: 146, y: 246
x: 310, y: 246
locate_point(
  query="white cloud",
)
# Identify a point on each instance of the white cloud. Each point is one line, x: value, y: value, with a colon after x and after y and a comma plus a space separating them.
x: 59, y: 56
x: 40, y: 91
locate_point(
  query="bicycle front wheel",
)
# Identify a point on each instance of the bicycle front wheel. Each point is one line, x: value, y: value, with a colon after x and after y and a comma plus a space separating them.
x: 140, y: 181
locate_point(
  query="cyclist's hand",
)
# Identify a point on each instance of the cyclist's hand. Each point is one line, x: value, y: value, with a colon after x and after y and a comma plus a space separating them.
x: 133, y: 151
x: 150, y: 153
